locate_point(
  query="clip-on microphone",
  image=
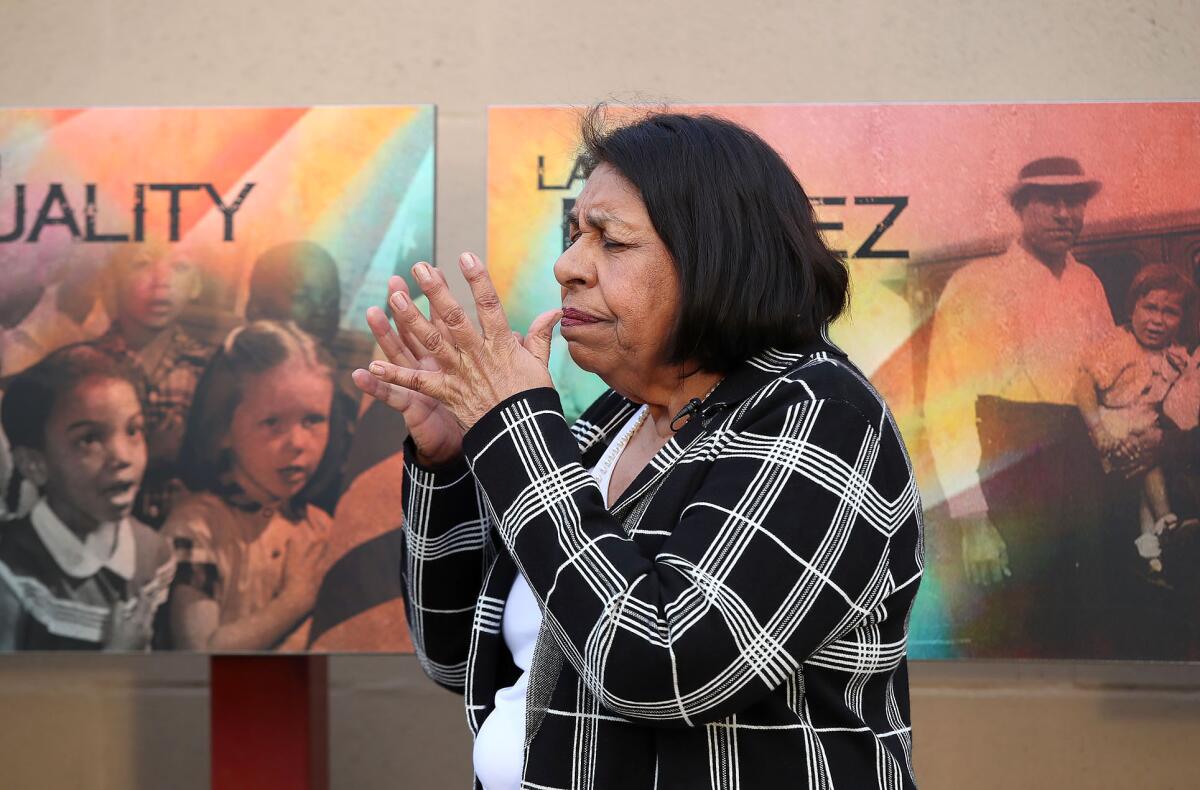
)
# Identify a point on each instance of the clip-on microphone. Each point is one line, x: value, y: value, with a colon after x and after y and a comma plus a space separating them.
x: 695, y: 408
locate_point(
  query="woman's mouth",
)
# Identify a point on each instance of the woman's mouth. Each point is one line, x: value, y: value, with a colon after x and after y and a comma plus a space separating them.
x: 573, y: 317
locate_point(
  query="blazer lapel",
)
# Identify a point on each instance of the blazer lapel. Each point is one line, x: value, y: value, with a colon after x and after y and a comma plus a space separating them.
x: 735, y: 388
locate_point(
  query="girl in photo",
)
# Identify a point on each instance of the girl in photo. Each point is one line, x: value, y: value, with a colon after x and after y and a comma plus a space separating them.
x: 79, y: 572
x: 1121, y: 387
x: 251, y: 547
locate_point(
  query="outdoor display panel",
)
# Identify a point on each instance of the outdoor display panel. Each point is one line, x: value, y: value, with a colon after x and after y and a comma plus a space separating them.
x: 185, y: 463
x: 1023, y: 296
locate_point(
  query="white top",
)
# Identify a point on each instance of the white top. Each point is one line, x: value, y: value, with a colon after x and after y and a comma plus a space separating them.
x: 499, y: 754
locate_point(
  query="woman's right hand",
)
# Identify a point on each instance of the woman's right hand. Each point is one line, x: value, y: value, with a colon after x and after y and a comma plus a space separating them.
x: 436, y: 433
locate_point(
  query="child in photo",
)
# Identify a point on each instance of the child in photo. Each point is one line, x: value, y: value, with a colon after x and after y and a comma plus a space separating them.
x: 1122, y: 385
x: 1182, y: 409
x: 79, y: 572
x: 298, y: 281
x: 1182, y: 404
x: 153, y: 283
x: 251, y: 546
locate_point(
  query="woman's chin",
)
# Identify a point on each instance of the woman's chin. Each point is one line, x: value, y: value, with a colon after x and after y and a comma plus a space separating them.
x: 586, y: 357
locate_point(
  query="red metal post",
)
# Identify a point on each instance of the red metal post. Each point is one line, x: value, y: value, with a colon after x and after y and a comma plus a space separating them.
x: 270, y: 722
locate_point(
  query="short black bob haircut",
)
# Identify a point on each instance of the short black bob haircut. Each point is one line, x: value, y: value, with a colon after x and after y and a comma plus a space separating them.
x: 753, y: 270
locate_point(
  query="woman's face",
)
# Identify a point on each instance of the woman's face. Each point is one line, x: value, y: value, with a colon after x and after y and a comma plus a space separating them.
x: 620, y: 291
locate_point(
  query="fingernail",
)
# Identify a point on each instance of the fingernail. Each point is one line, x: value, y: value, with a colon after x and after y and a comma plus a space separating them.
x: 467, y: 261
x: 399, y: 301
x: 376, y: 368
x: 422, y: 271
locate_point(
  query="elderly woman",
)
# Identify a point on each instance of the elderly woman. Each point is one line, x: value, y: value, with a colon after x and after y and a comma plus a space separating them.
x: 706, y: 580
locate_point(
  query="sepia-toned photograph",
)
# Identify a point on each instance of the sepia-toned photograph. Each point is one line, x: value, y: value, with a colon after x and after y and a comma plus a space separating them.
x: 185, y: 463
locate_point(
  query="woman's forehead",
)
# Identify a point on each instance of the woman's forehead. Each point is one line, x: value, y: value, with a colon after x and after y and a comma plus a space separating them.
x: 608, y: 198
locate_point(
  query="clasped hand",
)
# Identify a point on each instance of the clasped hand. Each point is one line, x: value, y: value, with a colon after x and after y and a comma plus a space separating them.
x: 443, y: 372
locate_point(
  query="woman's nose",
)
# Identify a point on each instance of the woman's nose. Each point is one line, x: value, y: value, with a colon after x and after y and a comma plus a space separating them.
x: 572, y: 269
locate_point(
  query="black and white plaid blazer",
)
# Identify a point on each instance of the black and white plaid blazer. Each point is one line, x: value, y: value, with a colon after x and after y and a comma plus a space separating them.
x: 737, y: 619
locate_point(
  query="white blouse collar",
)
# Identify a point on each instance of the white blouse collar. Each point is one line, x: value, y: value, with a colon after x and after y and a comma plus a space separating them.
x: 81, y: 559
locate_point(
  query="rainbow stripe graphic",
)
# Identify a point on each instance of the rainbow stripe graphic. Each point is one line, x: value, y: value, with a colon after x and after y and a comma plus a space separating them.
x: 359, y: 181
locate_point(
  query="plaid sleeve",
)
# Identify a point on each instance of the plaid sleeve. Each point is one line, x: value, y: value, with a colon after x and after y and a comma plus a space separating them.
x: 781, y: 551
x: 445, y: 552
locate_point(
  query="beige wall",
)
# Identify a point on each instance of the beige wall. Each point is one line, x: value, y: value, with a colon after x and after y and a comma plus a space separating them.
x: 125, y: 723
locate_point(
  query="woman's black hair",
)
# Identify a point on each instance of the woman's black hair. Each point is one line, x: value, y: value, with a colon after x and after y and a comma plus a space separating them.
x: 257, y: 347
x: 753, y: 270
x: 33, y: 395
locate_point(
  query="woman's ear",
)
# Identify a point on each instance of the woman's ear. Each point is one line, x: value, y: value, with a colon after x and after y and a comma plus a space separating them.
x: 32, y: 464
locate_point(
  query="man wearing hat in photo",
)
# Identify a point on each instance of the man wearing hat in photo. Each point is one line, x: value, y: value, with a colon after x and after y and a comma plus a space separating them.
x: 1012, y: 454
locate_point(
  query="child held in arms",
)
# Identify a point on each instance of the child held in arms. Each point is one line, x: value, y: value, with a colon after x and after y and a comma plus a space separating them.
x: 1121, y: 388
x: 153, y: 283
x: 79, y: 572
x: 251, y: 546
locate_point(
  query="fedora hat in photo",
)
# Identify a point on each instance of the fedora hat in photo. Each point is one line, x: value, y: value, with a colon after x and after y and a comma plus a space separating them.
x: 1053, y: 172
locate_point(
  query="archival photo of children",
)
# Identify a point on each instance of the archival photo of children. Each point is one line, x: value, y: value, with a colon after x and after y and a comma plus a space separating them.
x: 1024, y: 294
x: 181, y: 302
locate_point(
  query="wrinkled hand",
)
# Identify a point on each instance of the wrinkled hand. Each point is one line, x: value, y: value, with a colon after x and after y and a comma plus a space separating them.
x: 433, y: 429
x: 477, y: 368
x: 985, y: 555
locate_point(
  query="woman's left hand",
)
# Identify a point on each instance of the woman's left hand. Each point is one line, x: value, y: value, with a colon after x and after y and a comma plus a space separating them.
x: 480, y: 367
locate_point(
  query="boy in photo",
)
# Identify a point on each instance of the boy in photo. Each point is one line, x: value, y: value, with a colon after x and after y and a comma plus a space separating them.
x: 153, y: 284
